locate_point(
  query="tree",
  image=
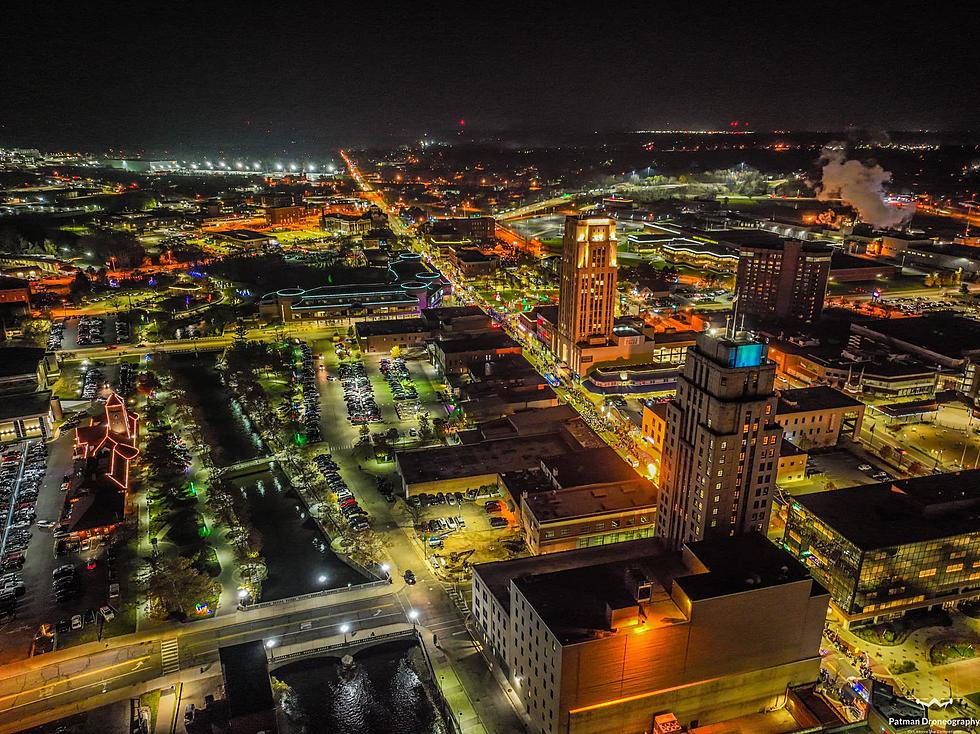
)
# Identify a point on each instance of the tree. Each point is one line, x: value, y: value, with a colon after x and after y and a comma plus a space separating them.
x: 80, y: 286
x: 241, y: 332
x: 175, y: 587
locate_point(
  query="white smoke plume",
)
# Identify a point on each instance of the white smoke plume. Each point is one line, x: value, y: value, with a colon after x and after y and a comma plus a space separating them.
x: 861, y: 186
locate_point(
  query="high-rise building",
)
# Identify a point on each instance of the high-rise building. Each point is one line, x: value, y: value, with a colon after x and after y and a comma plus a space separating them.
x: 786, y: 280
x: 587, y: 294
x: 721, y: 450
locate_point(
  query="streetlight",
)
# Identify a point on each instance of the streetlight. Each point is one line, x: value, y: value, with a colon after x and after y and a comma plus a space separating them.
x: 322, y: 578
x: 243, y: 597
x: 413, y: 614
x: 385, y: 568
x: 345, y: 628
x: 270, y: 643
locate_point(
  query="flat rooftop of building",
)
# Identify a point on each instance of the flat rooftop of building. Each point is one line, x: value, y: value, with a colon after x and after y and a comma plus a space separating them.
x: 788, y: 449
x: 245, y: 671
x: 902, y: 511
x: 551, y: 505
x: 948, y: 335
x: 741, y: 563
x: 576, y: 603
x: 508, y: 368
x: 15, y: 361
x: 484, y: 457
x: 546, y: 313
x: 818, y: 397
x: 413, y: 325
x: 471, y: 255
x: 527, y: 422
x: 24, y: 405
x: 497, y: 575
x: 477, y: 342
x: 672, y: 337
x: 775, y: 242
x: 589, y: 466
x: 842, y: 261
x: 447, y: 313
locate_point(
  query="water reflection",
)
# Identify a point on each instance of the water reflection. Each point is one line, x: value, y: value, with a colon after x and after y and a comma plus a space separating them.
x: 380, y: 692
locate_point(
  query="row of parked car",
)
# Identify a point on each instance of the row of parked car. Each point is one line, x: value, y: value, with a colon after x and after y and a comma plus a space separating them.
x: 311, y: 395
x: 355, y: 515
x: 56, y: 334
x: 90, y: 330
x: 19, y: 489
x: 122, y: 331
x: 127, y: 379
x: 92, y: 383
x: 358, y: 394
x: 398, y: 378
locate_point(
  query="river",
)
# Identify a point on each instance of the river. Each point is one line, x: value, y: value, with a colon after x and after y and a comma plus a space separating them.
x: 387, y: 690
x: 297, y: 554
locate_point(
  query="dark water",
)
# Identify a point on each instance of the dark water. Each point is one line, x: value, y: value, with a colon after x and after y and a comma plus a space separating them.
x: 295, y: 550
x: 381, y: 693
x: 225, y: 426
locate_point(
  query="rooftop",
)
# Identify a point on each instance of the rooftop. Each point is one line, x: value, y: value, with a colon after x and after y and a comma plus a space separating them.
x: 741, y: 563
x: 565, y: 504
x: 819, y: 397
x: 447, y: 313
x: 412, y: 325
x: 600, y: 465
x: 947, y: 335
x: 900, y: 512
x: 477, y: 342
x: 604, y: 581
x: 498, y: 574
x: 23, y: 405
x: 17, y: 361
x: 484, y: 457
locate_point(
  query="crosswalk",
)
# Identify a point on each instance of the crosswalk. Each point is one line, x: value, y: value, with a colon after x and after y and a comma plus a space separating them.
x: 458, y: 598
x: 170, y: 656
x: 446, y: 626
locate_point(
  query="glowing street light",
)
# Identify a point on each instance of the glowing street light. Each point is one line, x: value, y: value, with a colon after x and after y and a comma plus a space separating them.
x: 322, y: 578
x: 413, y: 614
x: 270, y: 643
x: 345, y: 628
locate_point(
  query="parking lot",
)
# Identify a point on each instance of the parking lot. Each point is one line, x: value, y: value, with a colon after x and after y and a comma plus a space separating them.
x: 459, y: 529
x: 47, y: 598
x: 90, y: 331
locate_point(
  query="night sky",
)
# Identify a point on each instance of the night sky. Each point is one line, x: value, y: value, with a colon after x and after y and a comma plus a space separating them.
x: 278, y: 76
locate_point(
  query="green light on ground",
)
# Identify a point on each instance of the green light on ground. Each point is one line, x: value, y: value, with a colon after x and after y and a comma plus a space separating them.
x: 299, y: 439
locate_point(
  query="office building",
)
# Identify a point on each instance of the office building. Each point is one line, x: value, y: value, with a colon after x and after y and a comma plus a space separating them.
x: 587, y: 291
x: 720, y: 456
x: 886, y: 549
x: 784, y: 280
x: 816, y: 417
x: 604, y: 639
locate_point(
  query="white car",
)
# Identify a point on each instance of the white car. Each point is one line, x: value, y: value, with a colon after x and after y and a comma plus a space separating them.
x: 865, y: 467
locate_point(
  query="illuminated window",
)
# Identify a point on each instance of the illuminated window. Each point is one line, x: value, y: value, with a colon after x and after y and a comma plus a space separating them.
x: 926, y: 573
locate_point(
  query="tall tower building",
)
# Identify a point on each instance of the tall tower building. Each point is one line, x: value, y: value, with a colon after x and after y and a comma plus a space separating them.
x: 587, y: 293
x: 784, y: 280
x: 721, y: 446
